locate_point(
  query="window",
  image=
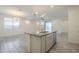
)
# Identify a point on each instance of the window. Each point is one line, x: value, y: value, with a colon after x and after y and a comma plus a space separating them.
x: 10, y: 23
x: 48, y: 26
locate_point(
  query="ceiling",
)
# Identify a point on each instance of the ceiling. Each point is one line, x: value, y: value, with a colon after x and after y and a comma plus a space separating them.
x: 28, y: 11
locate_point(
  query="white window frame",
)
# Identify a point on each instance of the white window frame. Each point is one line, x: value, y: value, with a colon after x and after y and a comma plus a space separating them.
x: 10, y: 23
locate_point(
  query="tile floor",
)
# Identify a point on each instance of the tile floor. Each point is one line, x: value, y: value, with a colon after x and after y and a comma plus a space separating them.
x: 18, y: 44
x: 13, y: 44
x: 63, y: 46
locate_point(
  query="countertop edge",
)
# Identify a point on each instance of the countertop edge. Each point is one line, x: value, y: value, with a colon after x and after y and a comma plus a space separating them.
x: 40, y: 35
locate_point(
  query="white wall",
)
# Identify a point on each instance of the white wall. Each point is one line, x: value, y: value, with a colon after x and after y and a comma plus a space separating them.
x: 60, y: 25
x: 73, y: 25
x: 31, y: 27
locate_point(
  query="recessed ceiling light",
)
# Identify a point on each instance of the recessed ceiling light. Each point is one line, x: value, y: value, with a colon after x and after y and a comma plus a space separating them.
x: 27, y: 21
x: 36, y: 12
x: 37, y: 23
x: 37, y: 32
x: 51, y: 6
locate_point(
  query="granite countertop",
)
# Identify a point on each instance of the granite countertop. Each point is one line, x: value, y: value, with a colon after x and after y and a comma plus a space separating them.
x: 40, y: 33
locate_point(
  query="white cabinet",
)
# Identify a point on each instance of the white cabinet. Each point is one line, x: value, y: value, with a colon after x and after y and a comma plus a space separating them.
x: 35, y: 44
x: 41, y: 44
x: 49, y: 41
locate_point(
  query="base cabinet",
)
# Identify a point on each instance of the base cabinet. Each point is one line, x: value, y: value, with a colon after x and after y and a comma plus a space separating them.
x: 35, y: 44
x: 49, y: 41
x: 41, y: 44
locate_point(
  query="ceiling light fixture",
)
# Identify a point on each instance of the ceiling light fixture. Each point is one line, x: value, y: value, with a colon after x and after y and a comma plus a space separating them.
x: 37, y: 23
x: 51, y: 6
x: 36, y: 13
x: 27, y: 22
x: 37, y: 32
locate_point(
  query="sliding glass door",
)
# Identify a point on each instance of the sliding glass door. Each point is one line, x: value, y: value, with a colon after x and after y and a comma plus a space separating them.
x: 48, y: 26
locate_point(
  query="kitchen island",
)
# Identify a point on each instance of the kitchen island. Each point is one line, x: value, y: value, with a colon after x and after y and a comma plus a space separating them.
x: 41, y: 42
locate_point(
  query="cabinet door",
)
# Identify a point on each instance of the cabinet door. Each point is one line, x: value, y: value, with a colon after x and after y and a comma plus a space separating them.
x: 49, y: 41
x: 43, y: 44
x: 35, y: 44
